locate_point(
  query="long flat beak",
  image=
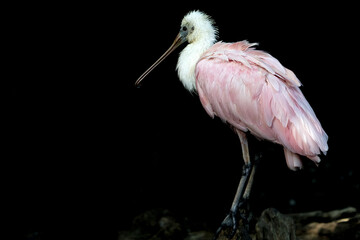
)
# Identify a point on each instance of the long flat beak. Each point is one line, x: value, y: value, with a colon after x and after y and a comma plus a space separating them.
x: 177, y: 42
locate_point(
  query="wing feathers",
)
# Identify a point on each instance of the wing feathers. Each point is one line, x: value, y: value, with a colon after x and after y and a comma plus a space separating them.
x: 252, y: 91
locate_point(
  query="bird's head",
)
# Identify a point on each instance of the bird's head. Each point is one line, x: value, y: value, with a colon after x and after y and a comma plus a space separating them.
x: 196, y: 26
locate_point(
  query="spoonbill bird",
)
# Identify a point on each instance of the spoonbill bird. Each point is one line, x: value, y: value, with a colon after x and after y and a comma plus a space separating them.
x: 251, y: 91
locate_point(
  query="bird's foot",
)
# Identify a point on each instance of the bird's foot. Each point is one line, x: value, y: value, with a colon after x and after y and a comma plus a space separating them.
x: 230, y: 222
x: 230, y: 225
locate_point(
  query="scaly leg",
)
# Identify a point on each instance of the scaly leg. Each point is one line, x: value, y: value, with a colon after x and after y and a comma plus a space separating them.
x: 231, y: 220
x: 246, y: 170
x: 252, y: 167
x: 251, y: 178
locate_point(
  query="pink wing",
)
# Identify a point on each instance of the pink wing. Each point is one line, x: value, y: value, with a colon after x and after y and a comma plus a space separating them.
x: 252, y: 91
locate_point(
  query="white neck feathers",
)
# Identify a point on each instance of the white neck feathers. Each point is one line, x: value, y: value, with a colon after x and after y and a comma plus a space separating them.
x: 187, y: 63
x: 201, y: 37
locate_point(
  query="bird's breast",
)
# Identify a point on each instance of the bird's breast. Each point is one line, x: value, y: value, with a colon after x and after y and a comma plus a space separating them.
x: 186, y: 65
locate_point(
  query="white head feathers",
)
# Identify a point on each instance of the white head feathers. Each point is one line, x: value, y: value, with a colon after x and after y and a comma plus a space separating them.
x: 199, y: 26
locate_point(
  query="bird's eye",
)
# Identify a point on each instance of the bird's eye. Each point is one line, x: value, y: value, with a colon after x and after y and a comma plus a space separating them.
x: 192, y: 29
x: 184, y: 28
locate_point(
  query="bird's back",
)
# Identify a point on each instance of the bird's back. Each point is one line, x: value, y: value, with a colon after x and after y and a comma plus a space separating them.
x: 251, y: 90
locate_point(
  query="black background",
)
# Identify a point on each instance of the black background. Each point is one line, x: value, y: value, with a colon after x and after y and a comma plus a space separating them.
x: 85, y: 148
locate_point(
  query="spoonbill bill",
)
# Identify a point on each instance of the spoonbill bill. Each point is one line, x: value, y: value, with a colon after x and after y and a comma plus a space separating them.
x: 251, y: 91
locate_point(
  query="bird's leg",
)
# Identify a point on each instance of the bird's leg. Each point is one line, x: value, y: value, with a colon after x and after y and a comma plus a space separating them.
x: 245, y: 173
x: 251, y: 178
x: 243, y: 206
x: 231, y: 220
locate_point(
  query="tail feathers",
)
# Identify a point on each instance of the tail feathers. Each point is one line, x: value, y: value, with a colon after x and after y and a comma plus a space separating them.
x: 315, y: 159
x: 293, y: 160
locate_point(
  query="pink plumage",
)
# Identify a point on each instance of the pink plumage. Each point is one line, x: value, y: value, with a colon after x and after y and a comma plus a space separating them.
x: 252, y: 91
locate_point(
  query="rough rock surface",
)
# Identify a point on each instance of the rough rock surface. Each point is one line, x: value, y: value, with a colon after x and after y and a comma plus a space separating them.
x: 274, y: 225
x: 333, y: 225
x: 161, y: 224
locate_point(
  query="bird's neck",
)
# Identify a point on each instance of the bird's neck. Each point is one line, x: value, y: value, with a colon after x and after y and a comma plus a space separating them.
x: 188, y: 59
